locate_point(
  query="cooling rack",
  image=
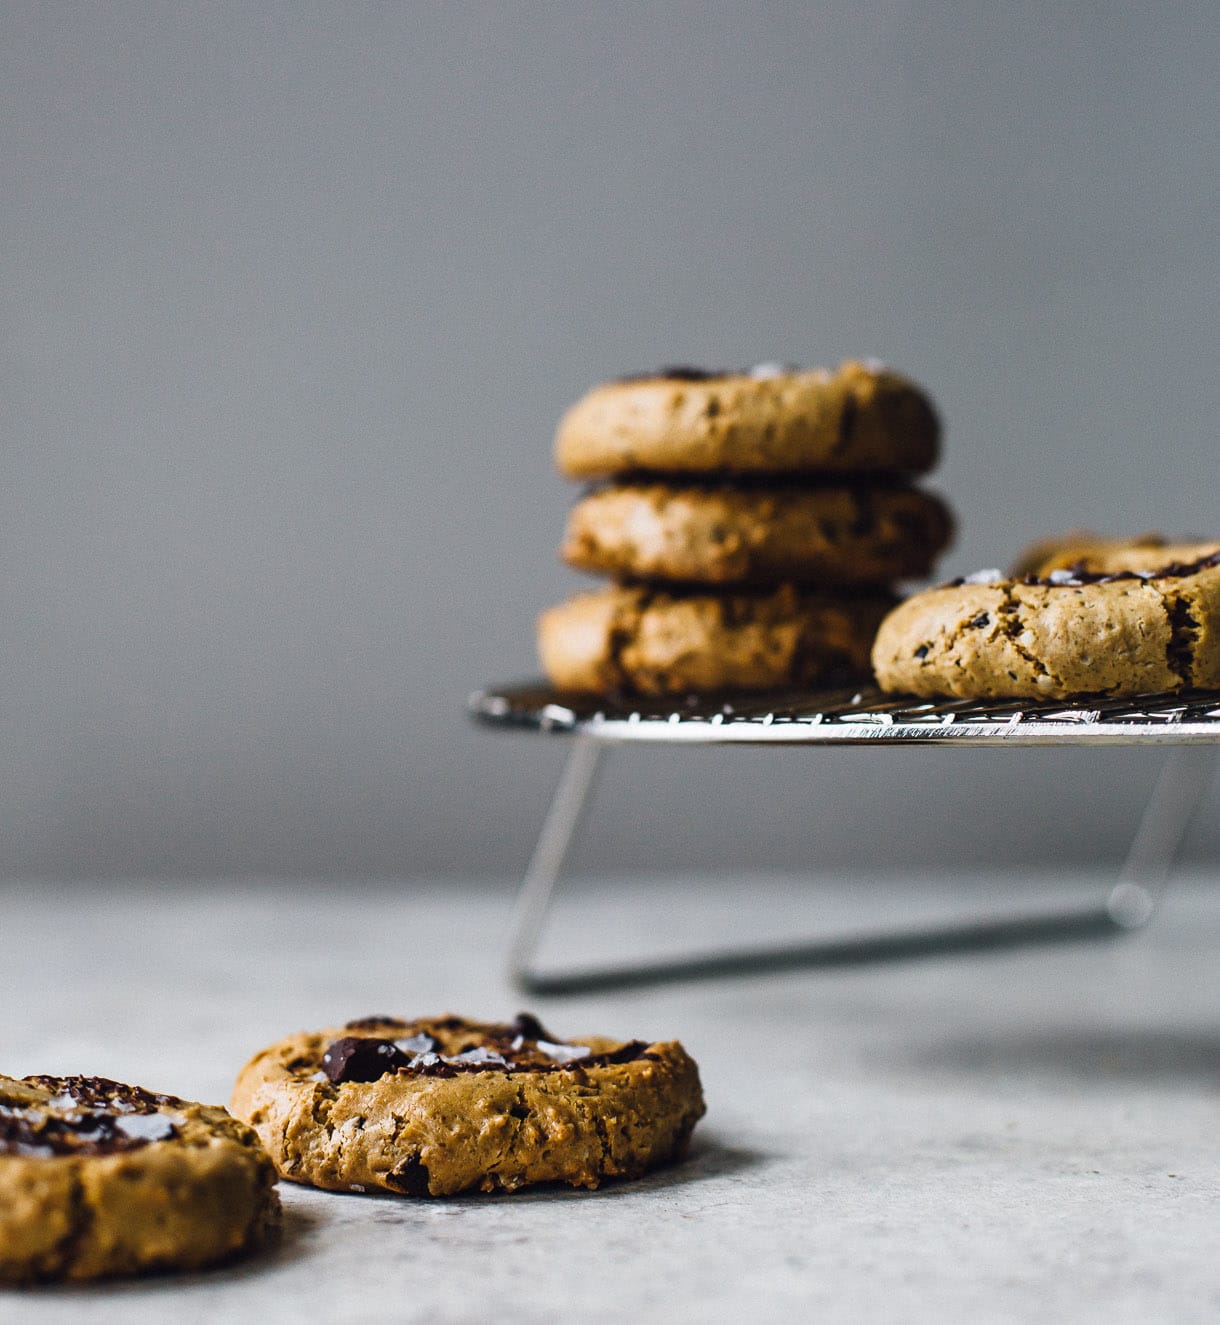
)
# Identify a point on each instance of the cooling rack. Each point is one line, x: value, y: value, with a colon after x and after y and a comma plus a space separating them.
x: 833, y: 717
x: 1188, y: 725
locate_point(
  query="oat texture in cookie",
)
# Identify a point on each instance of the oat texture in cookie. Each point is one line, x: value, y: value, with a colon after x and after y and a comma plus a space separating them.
x: 99, y: 1179
x: 1072, y: 632
x: 441, y: 1105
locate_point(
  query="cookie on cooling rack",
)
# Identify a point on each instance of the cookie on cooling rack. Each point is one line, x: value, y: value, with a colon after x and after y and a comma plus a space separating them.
x: 772, y: 419
x: 650, y: 642
x: 100, y: 1179
x: 442, y: 1105
x: 1070, y: 633
x: 771, y: 533
x: 1106, y: 556
x: 1059, y: 551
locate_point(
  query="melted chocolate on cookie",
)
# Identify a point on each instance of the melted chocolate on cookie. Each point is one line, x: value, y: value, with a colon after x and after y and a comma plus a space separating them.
x: 521, y: 1045
x: 677, y: 373
x: 102, y: 1093
x: 28, y: 1133
x: 101, y: 1117
x: 1077, y: 577
x: 373, y: 1023
x: 685, y: 373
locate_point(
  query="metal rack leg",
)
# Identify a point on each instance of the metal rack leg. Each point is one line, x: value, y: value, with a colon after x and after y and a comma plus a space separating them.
x: 1132, y: 902
x: 546, y: 864
x: 1144, y: 878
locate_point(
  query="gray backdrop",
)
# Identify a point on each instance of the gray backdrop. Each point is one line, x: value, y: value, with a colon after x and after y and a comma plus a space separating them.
x: 293, y: 295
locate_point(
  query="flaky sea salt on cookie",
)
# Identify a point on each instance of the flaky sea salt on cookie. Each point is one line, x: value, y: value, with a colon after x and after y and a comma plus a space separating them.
x: 442, y: 1105
x: 861, y: 418
x: 99, y: 1179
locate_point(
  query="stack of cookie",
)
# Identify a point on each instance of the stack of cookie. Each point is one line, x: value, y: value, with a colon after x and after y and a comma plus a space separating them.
x: 753, y: 524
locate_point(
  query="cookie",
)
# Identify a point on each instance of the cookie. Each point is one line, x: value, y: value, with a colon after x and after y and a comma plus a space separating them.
x: 757, y: 534
x: 1060, y: 551
x: 630, y: 638
x: 443, y: 1105
x: 1106, y: 556
x: 772, y: 420
x: 100, y: 1179
x: 1070, y: 633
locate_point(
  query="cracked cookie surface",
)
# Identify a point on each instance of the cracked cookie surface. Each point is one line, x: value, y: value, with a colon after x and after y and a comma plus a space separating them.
x: 441, y: 1105
x: 861, y: 418
x: 100, y: 1179
x: 641, y: 640
x: 757, y: 535
x: 1075, y: 632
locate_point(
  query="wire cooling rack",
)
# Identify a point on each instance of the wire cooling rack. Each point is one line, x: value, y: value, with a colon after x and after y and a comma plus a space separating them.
x: 1187, y: 724
x: 851, y: 716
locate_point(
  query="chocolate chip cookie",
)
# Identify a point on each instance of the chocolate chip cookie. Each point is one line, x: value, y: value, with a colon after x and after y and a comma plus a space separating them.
x: 1071, y: 632
x: 442, y: 1105
x: 643, y: 640
x: 758, y: 534
x: 773, y: 419
x: 99, y: 1179
x: 1105, y: 556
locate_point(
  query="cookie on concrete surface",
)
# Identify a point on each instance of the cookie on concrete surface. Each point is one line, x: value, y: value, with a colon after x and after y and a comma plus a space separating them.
x: 100, y: 1179
x: 757, y: 534
x: 630, y: 638
x: 771, y: 420
x: 1070, y: 633
x: 443, y: 1105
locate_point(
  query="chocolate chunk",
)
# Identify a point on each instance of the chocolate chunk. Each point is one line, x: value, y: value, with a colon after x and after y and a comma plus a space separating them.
x: 625, y: 1053
x: 979, y: 621
x: 410, y: 1177
x: 359, y: 1058
x: 1184, y: 635
x: 685, y: 373
x: 677, y: 373
x: 922, y: 651
x: 847, y: 422
x: 529, y: 1027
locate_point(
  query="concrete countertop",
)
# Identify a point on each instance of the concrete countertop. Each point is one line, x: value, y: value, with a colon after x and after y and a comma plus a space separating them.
x: 984, y: 1138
